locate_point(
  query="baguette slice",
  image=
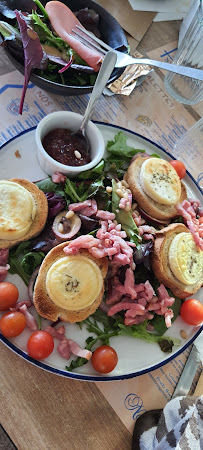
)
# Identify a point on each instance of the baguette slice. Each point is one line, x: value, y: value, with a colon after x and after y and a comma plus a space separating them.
x: 160, y: 262
x: 153, y: 208
x: 44, y: 304
x: 40, y: 217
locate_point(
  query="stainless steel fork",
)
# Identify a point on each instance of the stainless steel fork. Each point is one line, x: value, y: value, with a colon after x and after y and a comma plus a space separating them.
x: 124, y: 60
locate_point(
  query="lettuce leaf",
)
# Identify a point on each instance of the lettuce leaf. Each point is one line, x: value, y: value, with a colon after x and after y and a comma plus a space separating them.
x: 34, y: 56
x: 7, y: 7
x: 104, y: 327
x: 119, y: 146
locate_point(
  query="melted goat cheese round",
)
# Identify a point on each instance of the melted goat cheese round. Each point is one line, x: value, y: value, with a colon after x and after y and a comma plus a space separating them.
x: 185, y: 259
x: 74, y: 282
x: 160, y: 181
x: 17, y: 210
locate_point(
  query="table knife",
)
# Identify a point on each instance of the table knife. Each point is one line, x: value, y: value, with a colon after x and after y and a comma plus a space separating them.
x: 194, y: 360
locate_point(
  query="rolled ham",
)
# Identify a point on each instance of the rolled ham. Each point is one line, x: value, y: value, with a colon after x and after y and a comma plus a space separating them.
x: 63, y: 21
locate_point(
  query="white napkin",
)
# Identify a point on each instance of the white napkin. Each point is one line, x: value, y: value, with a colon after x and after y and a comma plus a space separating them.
x: 162, y: 16
x: 161, y: 5
x: 166, y: 9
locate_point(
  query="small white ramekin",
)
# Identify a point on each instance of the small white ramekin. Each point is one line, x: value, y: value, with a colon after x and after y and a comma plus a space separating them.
x: 71, y: 121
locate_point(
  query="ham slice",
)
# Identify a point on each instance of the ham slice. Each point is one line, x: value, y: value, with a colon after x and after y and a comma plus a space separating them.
x: 31, y: 322
x: 63, y: 21
x: 58, y: 177
x: 86, y: 208
x: 67, y: 347
x: 192, y: 213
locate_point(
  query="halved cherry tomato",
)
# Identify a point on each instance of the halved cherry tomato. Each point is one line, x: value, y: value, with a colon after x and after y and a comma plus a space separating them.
x: 191, y: 311
x: 8, y: 295
x: 12, y: 323
x: 104, y: 359
x: 179, y: 167
x: 40, y: 344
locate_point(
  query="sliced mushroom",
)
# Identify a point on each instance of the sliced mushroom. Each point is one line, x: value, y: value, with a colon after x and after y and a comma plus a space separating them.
x: 66, y: 225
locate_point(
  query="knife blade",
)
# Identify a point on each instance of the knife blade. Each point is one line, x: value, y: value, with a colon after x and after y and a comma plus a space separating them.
x: 194, y: 360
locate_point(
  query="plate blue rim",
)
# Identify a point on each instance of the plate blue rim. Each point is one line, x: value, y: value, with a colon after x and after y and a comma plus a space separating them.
x: 83, y: 377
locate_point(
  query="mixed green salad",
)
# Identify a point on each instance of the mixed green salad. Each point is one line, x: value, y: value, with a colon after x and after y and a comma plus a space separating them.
x: 26, y: 258
x: 45, y: 52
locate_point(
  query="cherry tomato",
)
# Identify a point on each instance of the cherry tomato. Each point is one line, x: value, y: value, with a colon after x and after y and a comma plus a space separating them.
x: 40, y: 344
x: 12, y: 323
x: 201, y: 220
x: 104, y: 359
x: 191, y: 311
x: 8, y: 295
x: 179, y: 167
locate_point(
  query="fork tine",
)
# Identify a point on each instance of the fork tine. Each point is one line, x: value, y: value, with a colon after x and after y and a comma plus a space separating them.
x: 85, y: 41
x: 94, y: 38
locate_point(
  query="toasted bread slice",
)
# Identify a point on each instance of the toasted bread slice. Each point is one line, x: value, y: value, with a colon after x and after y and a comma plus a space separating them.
x: 47, y: 308
x: 161, y: 265
x: 149, y: 205
x: 40, y: 218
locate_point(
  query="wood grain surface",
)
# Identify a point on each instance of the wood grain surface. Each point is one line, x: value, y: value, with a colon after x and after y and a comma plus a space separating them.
x: 199, y: 388
x: 40, y: 410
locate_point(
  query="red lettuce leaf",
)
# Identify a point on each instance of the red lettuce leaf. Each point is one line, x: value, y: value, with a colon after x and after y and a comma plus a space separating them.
x: 89, y: 19
x: 34, y: 56
x: 8, y: 7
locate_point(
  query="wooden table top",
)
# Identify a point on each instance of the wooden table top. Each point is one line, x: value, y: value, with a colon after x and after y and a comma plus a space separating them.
x: 40, y: 410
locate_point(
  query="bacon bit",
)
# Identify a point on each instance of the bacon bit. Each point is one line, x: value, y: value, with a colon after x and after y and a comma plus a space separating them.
x: 87, y: 208
x: 138, y: 300
x: 64, y: 349
x: 56, y: 333
x: 108, y: 242
x: 78, y: 351
x: 146, y: 229
x: 4, y: 253
x: 191, y: 212
x: 138, y: 319
x: 123, y: 202
x: 126, y: 305
x: 30, y: 320
x: 105, y: 215
x: 18, y: 305
x: 67, y: 346
x: 163, y: 293
x: 115, y: 297
x: 58, y: 177
x: 4, y: 271
x: 138, y: 219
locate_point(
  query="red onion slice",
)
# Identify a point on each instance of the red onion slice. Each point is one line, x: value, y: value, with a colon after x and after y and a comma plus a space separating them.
x: 32, y: 283
x: 152, y: 220
x: 74, y: 224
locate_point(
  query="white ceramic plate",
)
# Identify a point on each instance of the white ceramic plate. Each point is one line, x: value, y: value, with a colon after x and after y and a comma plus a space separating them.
x: 135, y: 357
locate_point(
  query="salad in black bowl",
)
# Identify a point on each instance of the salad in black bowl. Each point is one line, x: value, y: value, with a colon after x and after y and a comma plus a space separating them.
x: 33, y: 45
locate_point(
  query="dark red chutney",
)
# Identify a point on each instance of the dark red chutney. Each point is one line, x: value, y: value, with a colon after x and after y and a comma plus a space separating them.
x: 61, y: 145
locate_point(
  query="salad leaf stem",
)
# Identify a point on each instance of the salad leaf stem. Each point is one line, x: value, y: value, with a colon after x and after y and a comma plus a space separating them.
x: 45, y: 34
x: 42, y: 9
